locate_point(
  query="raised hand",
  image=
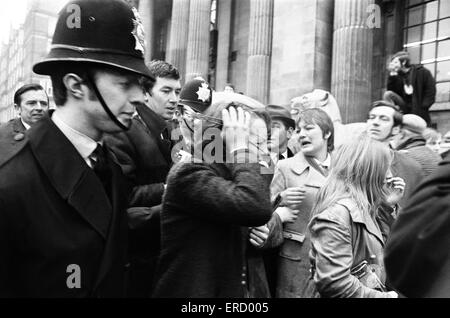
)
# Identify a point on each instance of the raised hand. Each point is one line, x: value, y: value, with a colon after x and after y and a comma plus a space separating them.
x: 236, y: 128
x: 396, y: 187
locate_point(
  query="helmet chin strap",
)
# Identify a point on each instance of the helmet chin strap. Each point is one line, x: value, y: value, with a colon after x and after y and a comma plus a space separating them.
x: 192, y: 130
x: 103, y: 103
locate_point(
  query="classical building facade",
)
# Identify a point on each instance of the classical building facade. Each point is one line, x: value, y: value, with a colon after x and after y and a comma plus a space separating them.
x: 274, y: 50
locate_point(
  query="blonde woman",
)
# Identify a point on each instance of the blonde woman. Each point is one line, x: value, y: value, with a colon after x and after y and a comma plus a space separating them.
x: 346, y: 236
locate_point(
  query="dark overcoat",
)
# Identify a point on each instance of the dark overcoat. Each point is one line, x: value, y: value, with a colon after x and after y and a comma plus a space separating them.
x: 424, y: 94
x: 9, y: 132
x: 417, y: 254
x: 58, y: 227
x: 207, y: 209
x: 143, y: 153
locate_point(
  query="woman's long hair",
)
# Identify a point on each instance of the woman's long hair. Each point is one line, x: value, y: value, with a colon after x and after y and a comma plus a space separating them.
x: 358, y: 172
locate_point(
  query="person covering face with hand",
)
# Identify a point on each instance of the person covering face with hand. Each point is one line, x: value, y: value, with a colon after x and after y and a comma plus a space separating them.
x: 207, y: 209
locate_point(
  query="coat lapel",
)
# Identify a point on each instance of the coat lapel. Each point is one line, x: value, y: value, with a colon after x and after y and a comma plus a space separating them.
x: 18, y: 127
x: 70, y: 175
x: 299, y: 164
x: 156, y: 127
x: 364, y: 218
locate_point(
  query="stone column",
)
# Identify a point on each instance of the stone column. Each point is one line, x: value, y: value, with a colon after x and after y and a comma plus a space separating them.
x: 259, y: 49
x: 179, y: 35
x: 352, y: 58
x: 146, y: 12
x: 224, y: 42
x: 197, y: 55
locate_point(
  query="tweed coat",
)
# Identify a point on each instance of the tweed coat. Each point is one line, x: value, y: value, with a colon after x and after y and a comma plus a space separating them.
x: 207, y: 209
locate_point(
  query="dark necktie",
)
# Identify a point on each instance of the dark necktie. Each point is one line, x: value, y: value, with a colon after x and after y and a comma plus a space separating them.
x: 101, y: 167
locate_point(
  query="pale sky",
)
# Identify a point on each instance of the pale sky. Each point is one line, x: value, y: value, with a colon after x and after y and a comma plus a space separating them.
x: 12, y: 14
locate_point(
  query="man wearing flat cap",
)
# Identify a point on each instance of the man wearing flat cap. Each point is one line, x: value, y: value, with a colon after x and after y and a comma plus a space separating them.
x: 410, y: 142
x: 63, y: 223
x: 410, y: 86
x: 281, y: 131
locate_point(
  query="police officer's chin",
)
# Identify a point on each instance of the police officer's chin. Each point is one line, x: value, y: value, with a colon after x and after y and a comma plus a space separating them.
x: 111, y: 127
x: 127, y: 122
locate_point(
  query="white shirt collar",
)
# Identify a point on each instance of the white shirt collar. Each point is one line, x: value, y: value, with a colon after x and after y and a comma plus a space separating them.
x: 82, y: 143
x: 25, y: 124
x: 275, y: 158
x: 326, y: 162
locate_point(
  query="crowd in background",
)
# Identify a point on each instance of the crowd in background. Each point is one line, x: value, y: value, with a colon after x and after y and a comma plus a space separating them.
x: 219, y: 197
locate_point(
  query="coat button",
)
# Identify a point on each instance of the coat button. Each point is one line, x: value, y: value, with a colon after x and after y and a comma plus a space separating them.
x: 243, y: 275
x: 243, y: 282
x: 19, y: 137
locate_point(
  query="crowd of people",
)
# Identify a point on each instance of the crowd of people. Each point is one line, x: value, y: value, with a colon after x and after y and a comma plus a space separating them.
x: 138, y: 186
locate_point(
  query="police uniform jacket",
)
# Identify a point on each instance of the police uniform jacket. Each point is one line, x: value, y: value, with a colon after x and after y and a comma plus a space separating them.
x: 60, y: 234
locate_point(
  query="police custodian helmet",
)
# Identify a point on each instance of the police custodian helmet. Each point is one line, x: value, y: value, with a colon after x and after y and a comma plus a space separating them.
x: 106, y: 32
x: 196, y: 94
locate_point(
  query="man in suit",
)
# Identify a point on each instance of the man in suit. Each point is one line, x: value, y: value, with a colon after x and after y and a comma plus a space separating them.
x: 282, y: 128
x: 144, y: 153
x: 31, y: 102
x: 63, y: 226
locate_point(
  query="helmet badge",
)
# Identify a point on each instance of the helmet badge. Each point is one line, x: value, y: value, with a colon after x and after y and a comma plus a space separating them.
x: 138, y: 32
x: 204, y: 92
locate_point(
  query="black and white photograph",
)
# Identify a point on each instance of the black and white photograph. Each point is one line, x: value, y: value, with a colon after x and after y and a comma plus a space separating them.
x: 224, y: 155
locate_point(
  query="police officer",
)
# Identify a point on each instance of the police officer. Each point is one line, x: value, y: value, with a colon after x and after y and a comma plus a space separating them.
x: 195, y: 99
x: 63, y: 227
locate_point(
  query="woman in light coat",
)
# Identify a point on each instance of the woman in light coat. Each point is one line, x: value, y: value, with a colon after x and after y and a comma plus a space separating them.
x: 294, y: 187
x: 347, y: 240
